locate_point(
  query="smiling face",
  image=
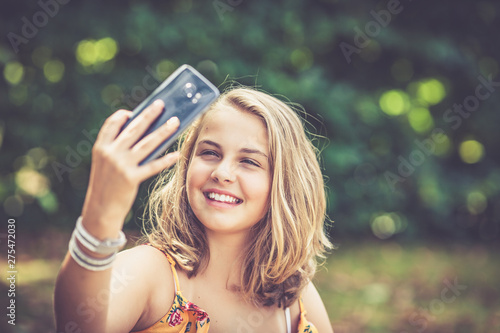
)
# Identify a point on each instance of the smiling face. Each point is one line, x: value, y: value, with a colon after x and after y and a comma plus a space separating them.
x: 229, y: 177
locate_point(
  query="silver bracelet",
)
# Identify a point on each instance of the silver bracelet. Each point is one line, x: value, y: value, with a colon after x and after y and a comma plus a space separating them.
x: 86, y: 261
x: 107, y: 246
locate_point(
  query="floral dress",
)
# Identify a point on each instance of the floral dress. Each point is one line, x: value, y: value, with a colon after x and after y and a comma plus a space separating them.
x: 185, y: 316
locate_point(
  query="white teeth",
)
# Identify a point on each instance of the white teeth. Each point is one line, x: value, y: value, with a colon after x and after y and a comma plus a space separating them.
x: 222, y: 197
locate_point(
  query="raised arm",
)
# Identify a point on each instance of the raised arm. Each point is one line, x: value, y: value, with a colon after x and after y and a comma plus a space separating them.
x: 88, y: 300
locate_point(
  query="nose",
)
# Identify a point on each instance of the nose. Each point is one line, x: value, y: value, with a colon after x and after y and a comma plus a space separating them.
x: 223, y: 173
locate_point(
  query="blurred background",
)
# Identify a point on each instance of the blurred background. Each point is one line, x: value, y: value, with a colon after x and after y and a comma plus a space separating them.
x: 401, y: 99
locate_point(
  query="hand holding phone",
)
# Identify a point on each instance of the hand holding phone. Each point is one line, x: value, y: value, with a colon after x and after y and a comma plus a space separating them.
x: 124, y: 145
x: 187, y: 94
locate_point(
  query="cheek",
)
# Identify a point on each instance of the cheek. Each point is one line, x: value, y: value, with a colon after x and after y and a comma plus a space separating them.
x: 192, y: 180
x: 258, y: 188
x: 198, y: 174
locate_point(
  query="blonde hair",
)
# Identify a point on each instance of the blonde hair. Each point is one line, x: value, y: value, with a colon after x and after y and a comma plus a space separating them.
x: 284, y: 246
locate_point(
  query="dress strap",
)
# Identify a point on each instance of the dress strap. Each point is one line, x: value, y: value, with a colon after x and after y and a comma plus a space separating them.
x: 172, y: 266
x: 174, y: 272
x: 288, y: 321
x: 301, y: 306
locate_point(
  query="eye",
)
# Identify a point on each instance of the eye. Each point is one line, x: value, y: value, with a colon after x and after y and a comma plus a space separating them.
x: 208, y: 152
x: 251, y: 162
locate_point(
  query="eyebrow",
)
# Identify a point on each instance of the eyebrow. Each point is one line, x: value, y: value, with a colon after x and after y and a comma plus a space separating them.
x: 242, y: 150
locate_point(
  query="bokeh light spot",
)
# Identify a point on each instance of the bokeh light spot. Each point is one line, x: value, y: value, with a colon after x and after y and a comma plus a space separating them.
x: 86, y: 53
x: 387, y: 224
x: 476, y: 203
x: 367, y: 110
x: 443, y: 147
x: 164, y: 68
x: 111, y: 93
x: 49, y: 202
x: 376, y: 293
x: 38, y: 157
x: 94, y: 52
x: 471, y: 151
x: 208, y: 68
x: 18, y: 95
x: 420, y: 120
x: 42, y: 103
x: 301, y: 58
x: 32, y: 182
x: 53, y: 70
x: 431, y: 91
x: 394, y: 102
x: 13, y: 72
x: 106, y: 49
x: 429, y: 192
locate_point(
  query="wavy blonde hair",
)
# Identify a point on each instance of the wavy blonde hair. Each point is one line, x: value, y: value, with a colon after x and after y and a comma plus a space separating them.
x: 284, y: 246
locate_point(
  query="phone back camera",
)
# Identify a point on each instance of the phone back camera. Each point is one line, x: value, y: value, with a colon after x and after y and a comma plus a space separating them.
x: 189, y: 89
x: 196, y: 98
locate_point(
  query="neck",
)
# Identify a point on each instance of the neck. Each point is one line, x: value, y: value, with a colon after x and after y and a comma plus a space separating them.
x: 224, y: 265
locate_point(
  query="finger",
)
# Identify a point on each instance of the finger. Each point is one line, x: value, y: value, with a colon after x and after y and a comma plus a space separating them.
x: 112, y: 126
x: 156, y: 166
x: 131, y: 134
x: 149, y: 143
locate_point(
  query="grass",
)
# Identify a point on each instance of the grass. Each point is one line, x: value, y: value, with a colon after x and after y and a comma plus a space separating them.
x: 366, y: 286
x: 386, y: 287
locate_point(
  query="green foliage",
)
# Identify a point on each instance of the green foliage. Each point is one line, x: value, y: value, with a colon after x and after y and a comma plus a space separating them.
x: 400, y: 158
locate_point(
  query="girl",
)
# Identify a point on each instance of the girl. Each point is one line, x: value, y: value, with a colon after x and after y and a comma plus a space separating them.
x: 235, y: 227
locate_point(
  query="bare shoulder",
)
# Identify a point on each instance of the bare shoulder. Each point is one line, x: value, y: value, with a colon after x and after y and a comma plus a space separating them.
x: 143, y: 256
x: 316, y: 311
x: 141, y: 281
x: 142, y: 263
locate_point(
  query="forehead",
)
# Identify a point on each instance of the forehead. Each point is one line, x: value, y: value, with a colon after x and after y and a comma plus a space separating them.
x: 230, y: 126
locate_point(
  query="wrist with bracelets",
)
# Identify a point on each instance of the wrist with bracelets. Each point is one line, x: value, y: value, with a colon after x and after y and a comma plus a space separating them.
x: 108, y: 247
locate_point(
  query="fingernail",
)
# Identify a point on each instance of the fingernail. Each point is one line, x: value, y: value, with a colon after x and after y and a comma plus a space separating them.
x: 173, y: 121
x: 158, y: 102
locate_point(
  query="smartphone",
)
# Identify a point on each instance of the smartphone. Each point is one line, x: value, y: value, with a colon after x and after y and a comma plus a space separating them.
x: 187, y: 95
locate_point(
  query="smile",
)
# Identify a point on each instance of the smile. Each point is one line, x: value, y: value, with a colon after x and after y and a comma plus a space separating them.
x: 222, y: 198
